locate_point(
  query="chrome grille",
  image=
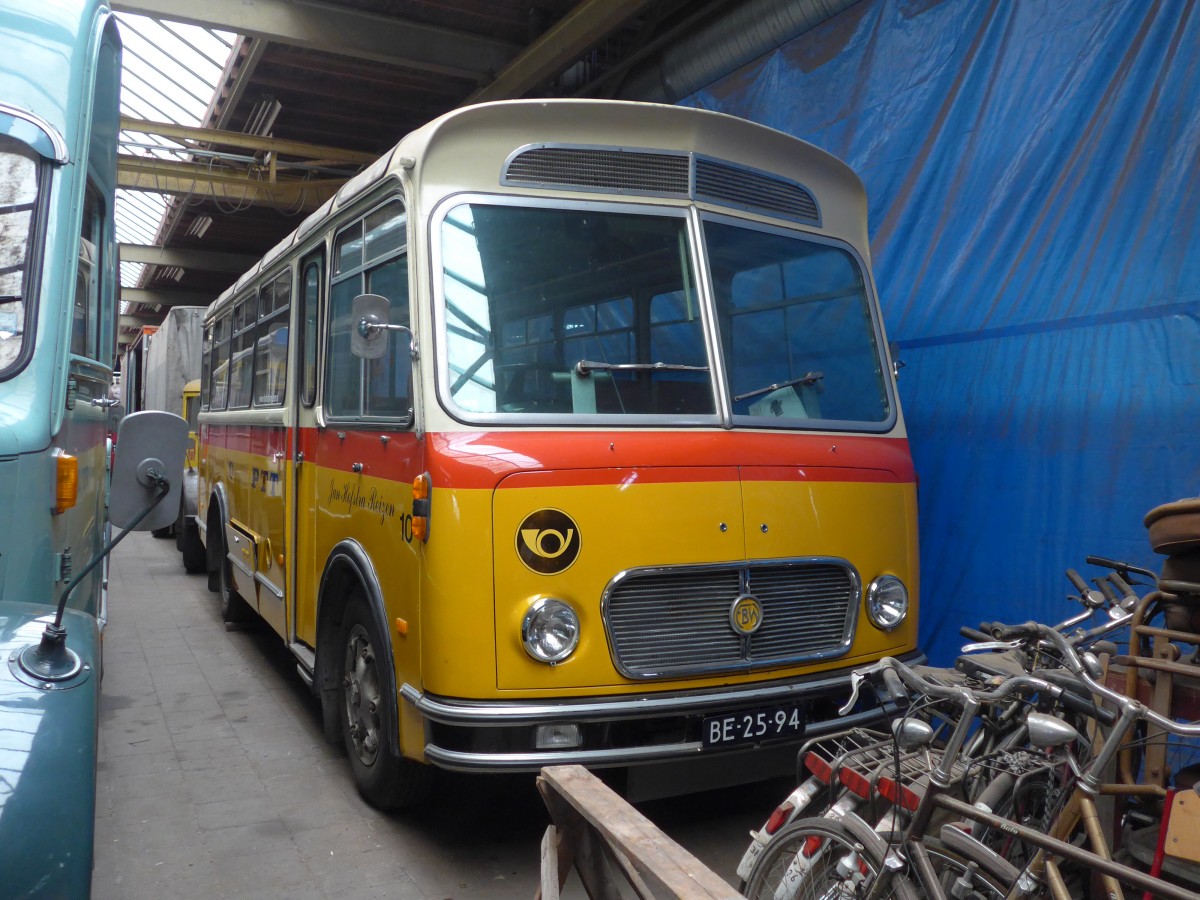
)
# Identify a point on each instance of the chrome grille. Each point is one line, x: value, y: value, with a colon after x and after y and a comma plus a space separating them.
x: 662, y: 174
x: 622, y: 171
x: 727, y: 184
x: 675, y: 621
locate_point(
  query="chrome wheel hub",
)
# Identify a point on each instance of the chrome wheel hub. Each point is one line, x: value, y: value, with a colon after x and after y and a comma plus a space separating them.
x: 360, y: 689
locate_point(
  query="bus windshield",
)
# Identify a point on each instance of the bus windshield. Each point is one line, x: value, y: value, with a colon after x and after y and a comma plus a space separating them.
x: 796, y: 329
x: 18, y: 199
x: 572, y: 312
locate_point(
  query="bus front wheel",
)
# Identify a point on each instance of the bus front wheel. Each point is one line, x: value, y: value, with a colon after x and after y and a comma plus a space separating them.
x: 386, y: 781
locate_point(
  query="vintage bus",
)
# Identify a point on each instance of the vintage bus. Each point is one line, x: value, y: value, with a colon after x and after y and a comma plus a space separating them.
x: 566, y: 432
x: 59, y: 108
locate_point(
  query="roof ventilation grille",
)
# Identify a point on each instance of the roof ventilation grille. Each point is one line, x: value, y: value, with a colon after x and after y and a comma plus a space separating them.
x: 600, y: 169
x: 733, y: 186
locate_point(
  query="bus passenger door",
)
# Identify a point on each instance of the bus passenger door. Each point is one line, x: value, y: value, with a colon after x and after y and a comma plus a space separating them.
x: 303, y: 512
x: 270, y: 478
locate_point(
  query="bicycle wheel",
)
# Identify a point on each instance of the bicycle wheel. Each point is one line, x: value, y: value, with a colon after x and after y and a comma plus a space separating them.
x: 961, y: 878
x: 822, y: 858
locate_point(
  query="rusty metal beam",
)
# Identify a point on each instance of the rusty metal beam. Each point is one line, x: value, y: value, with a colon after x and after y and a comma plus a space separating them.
x: 331, y: 156
x: 564, y: 43
x: 234, y: 188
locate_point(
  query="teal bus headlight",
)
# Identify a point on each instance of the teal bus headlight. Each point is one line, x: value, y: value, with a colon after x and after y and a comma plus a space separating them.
x: 550, y: 630
x: 887, y: 602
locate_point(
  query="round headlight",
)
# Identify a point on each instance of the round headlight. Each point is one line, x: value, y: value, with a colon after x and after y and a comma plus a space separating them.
x: 887, y: 602
x: 550, y: 630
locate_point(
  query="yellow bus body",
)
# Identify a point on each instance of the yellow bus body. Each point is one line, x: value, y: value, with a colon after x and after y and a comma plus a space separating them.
x: 661, y: 538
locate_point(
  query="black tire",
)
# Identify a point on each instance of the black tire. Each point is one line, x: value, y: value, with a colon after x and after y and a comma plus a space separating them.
x: 368, y: 710
x: 233, y: 608
x: 180, y: 522
x: 195, y: 558
x: 808, y: 851
x: 331, y: 717
x: 163, y: 532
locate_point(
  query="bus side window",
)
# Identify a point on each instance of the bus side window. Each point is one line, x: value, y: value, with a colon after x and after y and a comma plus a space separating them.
x: 219, y: 395
x: 241, y: 366
x: 85, y: 319
x: 310, y: 301
x: 206, y: 363
x: 271, y: 347
x: 85, y: 290
x: 371, y: 258
x: 389, y: 378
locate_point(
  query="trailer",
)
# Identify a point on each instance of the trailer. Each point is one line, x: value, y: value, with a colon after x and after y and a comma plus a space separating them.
x: 172, y: 359
x: 169, y: 360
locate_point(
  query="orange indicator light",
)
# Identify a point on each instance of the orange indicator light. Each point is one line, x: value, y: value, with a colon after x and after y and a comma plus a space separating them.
x: 421, y: 505
x: 421, y: 487
x: 402, y: 627
x: 66, y: 488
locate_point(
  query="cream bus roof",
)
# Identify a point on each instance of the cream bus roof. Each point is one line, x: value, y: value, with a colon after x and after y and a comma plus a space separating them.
x: 467, y: 150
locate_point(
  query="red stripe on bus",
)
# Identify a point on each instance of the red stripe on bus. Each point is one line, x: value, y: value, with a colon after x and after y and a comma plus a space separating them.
x: 482, y: 459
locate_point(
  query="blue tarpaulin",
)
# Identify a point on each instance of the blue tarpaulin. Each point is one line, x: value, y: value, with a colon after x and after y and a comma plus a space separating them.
x: 1034, y: 193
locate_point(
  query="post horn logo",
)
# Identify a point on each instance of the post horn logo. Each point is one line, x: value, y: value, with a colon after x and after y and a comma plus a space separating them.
x: 745, y: 615
x: 548, y: 541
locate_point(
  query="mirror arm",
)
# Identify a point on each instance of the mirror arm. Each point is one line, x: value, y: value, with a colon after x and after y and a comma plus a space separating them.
x: 164, y: 488
x: 370, y: 324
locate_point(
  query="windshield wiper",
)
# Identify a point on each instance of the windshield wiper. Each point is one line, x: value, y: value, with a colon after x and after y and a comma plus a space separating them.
x: 10, y: 298
x: 586, y: 367
x: 808, y: 378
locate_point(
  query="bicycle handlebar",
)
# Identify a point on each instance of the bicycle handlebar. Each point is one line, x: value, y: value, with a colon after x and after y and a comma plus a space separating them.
x: 930, y: 688
x: 1127, y: 705
x: 1080, y: 584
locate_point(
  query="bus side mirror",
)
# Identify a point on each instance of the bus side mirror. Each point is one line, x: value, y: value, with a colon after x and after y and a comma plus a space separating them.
x: 369, y: 320
x: 369, y: 326
x: 150, y: 449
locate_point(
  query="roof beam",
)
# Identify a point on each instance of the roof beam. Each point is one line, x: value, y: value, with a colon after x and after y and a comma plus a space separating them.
x: 564, y: 43
x: 206, y: 260
x: 156, y: 297
x: 313, y: 152
x: 342, y: 30
x: 135, y: 320
x: 239, y: 189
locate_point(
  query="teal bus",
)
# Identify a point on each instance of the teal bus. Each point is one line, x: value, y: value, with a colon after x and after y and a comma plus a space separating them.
x: 60, y: 64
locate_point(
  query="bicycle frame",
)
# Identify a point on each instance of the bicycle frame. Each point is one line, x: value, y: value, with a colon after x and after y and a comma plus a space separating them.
x: 1080, y: 807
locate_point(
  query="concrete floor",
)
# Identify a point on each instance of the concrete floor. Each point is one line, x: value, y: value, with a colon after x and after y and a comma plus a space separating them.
x: 214, y: 780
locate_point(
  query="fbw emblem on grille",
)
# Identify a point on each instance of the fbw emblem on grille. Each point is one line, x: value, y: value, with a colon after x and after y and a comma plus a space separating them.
x: 548, y: 541
x: 745, y: 615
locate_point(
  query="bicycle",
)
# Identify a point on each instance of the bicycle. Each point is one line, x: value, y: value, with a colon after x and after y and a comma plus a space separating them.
x: 1113, y: 593
x: 958, y: 864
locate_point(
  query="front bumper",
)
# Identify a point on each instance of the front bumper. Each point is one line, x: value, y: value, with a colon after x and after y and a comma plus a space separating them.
x: 498, y: 736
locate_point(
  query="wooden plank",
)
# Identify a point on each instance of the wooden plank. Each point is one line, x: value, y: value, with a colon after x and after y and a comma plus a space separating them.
x: 550, y: 881
x: 576, y: 848
x: 665, y: 866
x: 631, y: 875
